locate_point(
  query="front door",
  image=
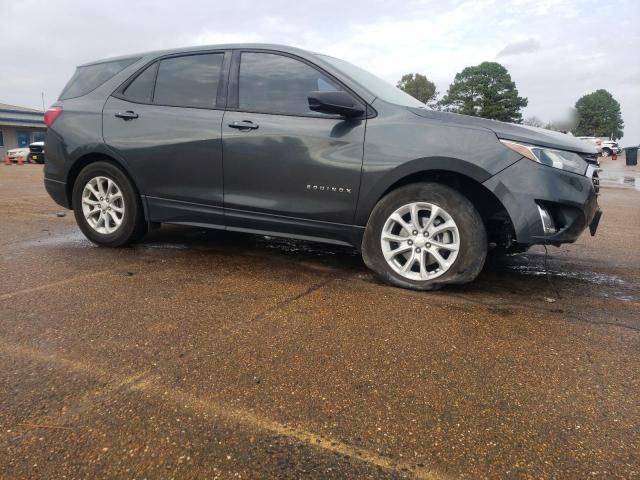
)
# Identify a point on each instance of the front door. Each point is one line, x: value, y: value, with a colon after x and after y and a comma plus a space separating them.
x: 166, y: 126
x: 283, y: 163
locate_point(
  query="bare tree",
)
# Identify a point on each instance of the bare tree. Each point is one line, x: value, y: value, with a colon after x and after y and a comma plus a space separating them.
x: 533, y: 122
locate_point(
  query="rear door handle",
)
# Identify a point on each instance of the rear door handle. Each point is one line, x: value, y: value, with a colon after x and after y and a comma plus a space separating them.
x: 244, y: 125
x: 128, y: 115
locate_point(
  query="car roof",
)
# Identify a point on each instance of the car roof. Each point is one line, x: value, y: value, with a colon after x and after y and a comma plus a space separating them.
x: 226, y: 46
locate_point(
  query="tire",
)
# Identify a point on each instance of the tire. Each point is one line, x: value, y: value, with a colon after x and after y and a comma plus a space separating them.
x: 124, y: 206
x: 457, y: 227
x: 606, y: 152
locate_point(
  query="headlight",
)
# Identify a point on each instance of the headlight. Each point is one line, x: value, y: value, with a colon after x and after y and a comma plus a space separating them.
x: 569, y: 161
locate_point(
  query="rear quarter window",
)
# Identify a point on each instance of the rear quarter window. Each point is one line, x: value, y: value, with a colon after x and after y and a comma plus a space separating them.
x: 141, y: 89
x: 86, y: 79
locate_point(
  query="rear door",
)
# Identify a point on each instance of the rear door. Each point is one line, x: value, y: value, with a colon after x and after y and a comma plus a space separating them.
x: 286, y: 166
x: 166, y: 125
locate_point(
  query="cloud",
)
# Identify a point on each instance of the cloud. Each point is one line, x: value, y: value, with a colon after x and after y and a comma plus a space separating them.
x: 435, y: 37
x: 518, y: 48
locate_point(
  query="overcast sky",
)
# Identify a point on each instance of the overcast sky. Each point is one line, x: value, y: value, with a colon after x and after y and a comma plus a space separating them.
x: 555, y: 50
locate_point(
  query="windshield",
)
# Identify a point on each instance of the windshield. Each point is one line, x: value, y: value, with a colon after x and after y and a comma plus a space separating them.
x: 381, y: 89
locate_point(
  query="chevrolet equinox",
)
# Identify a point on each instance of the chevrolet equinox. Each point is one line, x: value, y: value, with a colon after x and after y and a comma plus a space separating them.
x: 280, y: 141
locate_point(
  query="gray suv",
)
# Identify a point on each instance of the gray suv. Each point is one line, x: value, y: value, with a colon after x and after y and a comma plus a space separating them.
x: 280, y: 141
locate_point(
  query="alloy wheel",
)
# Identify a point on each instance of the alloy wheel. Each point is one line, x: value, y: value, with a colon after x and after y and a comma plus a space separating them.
x: 420, y: 241
x: 103, y: 205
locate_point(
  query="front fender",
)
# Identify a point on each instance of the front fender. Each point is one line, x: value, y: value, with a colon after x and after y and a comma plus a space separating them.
x: 400, y: 144
x: 370, y: 194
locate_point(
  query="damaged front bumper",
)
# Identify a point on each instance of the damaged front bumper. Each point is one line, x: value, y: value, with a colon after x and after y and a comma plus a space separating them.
x: 547, y: 205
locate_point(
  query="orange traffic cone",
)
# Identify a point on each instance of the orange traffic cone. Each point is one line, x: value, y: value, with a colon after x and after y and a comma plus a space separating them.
x: 614, y: 156
x: 20, y: 160
x: 6, y: 160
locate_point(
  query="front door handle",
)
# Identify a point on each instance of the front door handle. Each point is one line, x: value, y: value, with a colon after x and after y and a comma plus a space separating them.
x: 128, y: 115
x: 244, y: 125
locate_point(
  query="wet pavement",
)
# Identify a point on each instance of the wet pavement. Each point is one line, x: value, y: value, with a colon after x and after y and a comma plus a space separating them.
x: 203, y: 354
x: 616, y: 173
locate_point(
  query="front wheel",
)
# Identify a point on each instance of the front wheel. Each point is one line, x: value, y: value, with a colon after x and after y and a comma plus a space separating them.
x: 107, y: 208
x: 423, y: 236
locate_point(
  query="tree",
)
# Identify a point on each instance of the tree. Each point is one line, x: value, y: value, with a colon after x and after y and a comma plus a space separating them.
x: 553, y: 126
x: 533, y: 122
x: 485, y: 90
x: 599, y: 116
x: 418, y: 86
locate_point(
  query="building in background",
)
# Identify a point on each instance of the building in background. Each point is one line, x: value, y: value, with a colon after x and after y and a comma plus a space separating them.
x: 19, y: 126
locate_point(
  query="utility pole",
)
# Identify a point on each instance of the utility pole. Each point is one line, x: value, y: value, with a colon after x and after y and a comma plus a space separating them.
x: 43, y: 101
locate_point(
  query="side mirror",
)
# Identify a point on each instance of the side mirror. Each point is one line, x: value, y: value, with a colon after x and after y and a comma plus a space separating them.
x: 337, y: 103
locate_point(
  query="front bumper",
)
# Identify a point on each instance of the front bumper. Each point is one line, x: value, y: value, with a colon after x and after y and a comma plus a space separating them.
x: 569, y: 202
x: 37, y: 157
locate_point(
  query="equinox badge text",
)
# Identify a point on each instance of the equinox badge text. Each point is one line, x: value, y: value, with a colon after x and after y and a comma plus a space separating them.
x: 328, y: 188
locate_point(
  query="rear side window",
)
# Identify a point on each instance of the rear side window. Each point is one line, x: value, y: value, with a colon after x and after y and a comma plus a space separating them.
x: 141, y: 89
x: 86, y: 79
x: 190, y: 81
x: 274, y: 83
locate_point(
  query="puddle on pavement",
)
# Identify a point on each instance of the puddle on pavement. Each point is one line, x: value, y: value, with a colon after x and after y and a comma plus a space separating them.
x: 624, y: 181
x: 185, y: 238
x: 591, y: 277
x: 74, y: 239
x: 602, y: 284
x: 165, y: 246
x: 301, y: 247
x: 309, y: 254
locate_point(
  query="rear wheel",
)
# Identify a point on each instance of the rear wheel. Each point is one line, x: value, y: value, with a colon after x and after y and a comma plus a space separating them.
x: 107, y: 208
x: 423, y: 236
x: 606, y: 152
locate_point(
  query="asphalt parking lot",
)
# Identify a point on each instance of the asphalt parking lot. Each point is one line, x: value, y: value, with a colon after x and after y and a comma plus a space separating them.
x: 203, y: 354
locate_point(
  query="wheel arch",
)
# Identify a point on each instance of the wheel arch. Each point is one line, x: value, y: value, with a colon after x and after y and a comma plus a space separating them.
x: 87, y: 159
x: 464, y: 177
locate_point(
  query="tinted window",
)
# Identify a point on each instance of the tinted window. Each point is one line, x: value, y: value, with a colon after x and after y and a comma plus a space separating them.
x: 87, y: 79
x: 278, y: 84
x: 141, y: 89
x: 190, y: 81
x: 1, y: 139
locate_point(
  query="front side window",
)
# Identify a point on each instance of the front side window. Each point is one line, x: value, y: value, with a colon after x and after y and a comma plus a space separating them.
x: 141, y: 89
x: 272, y: 83
x: 190, y: 81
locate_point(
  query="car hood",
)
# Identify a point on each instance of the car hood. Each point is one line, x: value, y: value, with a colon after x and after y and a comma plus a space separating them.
x: 512, y: 131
